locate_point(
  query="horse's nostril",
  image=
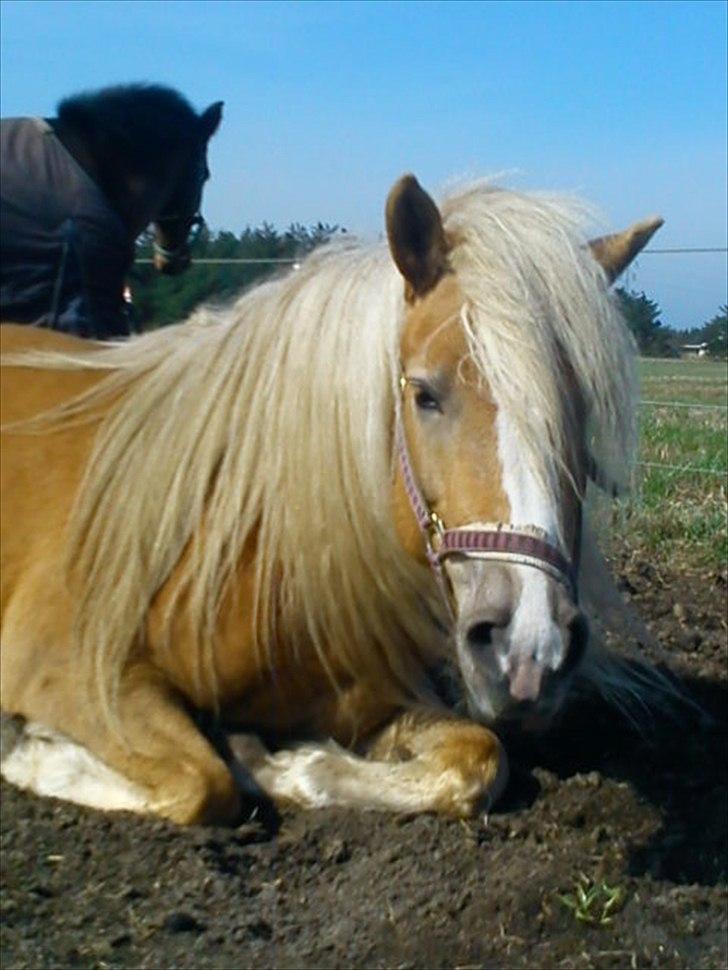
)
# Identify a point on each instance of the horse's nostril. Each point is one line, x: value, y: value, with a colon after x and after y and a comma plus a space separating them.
x: 480, y: 634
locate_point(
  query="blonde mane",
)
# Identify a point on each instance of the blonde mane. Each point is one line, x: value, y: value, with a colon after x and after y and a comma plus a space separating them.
x: 269, y: 423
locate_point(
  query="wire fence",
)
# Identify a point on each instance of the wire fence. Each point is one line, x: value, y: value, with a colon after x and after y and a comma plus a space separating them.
x: 681, y: 250
x: 685, y: 404
x: 670, y: 251
x: 221, y: 260
x: 686, y: 469
x: 235, y: 260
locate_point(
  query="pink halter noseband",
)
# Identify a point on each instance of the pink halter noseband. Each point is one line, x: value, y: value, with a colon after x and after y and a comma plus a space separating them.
x: 524, y: 545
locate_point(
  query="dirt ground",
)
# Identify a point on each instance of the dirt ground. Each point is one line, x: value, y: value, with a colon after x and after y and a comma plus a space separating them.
x: 634, y: 822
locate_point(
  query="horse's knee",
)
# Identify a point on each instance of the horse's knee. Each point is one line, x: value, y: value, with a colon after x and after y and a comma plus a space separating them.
x: 192, y: 794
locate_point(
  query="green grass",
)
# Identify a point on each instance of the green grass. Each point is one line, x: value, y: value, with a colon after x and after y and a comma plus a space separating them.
x: 592, y: 902
x: 689, y: 381
x: 675, y: 512
x: 660, y: 367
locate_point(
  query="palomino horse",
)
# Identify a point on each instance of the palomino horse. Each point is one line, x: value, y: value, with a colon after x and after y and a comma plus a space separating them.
x: 286, y: 513
x: 78, y: 189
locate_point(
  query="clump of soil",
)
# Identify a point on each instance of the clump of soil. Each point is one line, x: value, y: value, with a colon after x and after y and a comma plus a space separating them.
x: 597, y: 811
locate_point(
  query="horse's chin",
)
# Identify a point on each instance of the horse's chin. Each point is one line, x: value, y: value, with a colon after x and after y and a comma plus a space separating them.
x: 535, y: 721
x: 492, y: 705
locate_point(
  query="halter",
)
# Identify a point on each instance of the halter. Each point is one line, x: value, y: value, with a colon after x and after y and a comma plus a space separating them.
x: 525, y: 545
x: 196, y: 224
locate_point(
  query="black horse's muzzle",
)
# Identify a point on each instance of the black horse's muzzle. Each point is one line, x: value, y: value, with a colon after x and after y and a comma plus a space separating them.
x: 171, y: 259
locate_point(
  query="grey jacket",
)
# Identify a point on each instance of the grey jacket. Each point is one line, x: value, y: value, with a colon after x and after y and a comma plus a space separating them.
x: 64, y: 252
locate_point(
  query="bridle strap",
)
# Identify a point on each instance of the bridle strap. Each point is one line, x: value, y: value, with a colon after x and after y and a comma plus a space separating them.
x: 523, y: 545
x: 508, y: 543
x: 196, y: 224
x: 431, y: 525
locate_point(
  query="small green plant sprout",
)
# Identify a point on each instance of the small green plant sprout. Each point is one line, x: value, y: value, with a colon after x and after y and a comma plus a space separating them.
x: 592, y: 902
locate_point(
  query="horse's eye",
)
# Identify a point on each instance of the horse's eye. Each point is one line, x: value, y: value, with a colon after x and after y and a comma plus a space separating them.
x: 426, y: 401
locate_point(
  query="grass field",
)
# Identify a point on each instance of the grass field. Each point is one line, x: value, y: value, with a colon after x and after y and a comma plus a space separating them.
x: 680, y: 512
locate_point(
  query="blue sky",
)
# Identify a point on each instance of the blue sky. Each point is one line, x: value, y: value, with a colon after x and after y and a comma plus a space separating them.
x: 326, y: 103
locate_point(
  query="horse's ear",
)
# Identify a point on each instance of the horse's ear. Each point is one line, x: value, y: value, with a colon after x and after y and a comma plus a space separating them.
x: 416, y: 236
x: 615, y: 253
x: 210, y: 120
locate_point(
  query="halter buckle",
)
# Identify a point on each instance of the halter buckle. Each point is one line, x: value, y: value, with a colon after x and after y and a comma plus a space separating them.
x: 435, y: 531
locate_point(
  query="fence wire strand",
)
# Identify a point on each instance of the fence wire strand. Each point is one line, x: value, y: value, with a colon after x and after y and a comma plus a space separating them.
x: 686, y: 469
x: 684, y: 404
x: 692, y: 469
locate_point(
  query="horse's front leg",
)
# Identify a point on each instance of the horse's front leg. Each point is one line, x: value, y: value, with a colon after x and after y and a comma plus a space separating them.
x: 155, y: 762
x: 188, y: 782
x: 421, y: 762
x: 462, y: 765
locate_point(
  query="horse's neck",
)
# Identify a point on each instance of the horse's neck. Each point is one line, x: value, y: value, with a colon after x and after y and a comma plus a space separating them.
x: 126, y: 196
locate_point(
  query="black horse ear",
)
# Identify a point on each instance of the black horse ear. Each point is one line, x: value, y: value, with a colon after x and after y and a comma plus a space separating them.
x: 210, y: 120
x: 416, y: 237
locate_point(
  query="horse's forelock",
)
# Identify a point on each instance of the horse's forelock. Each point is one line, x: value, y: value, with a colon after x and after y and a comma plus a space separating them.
x: 534, y: 300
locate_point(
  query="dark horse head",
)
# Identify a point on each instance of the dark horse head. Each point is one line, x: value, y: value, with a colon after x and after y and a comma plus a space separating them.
x: 146, y: 149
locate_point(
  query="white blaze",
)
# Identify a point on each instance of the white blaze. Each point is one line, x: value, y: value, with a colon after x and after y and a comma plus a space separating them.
x: 534, y: 633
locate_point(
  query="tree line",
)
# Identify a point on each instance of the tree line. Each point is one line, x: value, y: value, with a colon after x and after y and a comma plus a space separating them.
x: 654, y: 339
x: 160, y: 300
